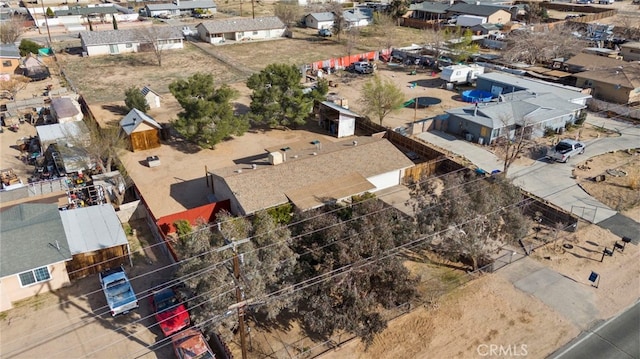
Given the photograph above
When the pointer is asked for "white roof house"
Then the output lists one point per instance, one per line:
(61, 132)
(113, 42)
(319, 20)
(241, 29)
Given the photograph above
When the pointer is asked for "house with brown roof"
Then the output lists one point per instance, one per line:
(310, 174)
(241, 29)
(617, 85)
(586, 62)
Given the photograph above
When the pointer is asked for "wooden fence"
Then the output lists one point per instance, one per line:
(85, 264)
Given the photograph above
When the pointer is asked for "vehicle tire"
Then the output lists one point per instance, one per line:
(582, 152)
(567, 160)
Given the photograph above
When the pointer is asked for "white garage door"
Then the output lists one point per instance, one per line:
(385, 180)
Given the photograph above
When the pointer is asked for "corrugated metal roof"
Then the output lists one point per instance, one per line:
(30, 235)
(340, 108)
(473, 9)
(92, 228)
(93, 38)
(57, 131)
(242, 24)
(84, 10)
(134, 118)
(431, 7)
(267, 185)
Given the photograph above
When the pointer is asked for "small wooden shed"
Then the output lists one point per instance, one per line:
(142, 130)
(152, 97)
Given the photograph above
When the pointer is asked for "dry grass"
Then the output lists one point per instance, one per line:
(104, 78)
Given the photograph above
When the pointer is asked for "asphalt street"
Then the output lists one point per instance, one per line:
(618, 338)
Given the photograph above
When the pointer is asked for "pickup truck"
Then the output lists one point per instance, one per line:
(118, 291)
(564, 150)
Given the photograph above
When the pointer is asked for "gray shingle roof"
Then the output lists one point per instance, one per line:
(134, 118)
(242, 24)
(9, 51)
(540, 87)
(431, 7)
(158, 7)
(84, 10)
(28, 236)
(473, 9)
(93, 38)
(322, 16)
(268, 185)
(530, 108)
(196, 4)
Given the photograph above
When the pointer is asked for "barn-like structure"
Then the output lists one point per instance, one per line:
(142, 131)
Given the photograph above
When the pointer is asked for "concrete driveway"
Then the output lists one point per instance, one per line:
(551, 181)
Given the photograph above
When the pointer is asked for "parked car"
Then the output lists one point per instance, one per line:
(362, 67)
(565, 149)
(171, 314)
(117, 289)
(191, 344)
(325, 33)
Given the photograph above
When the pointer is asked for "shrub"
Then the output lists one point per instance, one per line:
(549, 131)
(28, 47)
(183, 228)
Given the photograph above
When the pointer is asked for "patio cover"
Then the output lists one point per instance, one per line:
(320, 193)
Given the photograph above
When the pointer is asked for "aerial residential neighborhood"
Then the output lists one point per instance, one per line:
(326, 179)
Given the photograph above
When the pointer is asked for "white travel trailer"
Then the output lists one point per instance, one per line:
(461, 74)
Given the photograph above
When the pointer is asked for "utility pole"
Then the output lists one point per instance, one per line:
(46, 22)
(240, 302)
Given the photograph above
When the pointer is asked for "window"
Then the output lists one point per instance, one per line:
(255, 33)
(129, 45)
(6, 63)
(34, 276)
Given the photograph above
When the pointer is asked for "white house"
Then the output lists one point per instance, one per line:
(113, 42)
(310, 174)
(152, 97)
(358, 17)
(241, 29)
(335, 119)
(181, 7)
(319, 20)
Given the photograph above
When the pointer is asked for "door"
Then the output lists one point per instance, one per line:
(113, 49)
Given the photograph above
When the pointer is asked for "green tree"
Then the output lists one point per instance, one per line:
(28, 47)
(114, 22)
(463, 46)
(50, 12)
(360, 238)
(208, 116)
(278, 99)
(380, 98)
(133, 98)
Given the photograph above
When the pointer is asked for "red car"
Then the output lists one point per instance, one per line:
(169, 312)
(191, 344)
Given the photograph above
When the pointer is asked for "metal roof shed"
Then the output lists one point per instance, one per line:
(96, 239)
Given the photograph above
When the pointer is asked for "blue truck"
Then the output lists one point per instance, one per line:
(118, 291)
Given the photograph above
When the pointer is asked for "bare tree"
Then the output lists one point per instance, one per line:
(385, 26)
(629, 26)
(436, 39)
(515, 138)
(289, 13)
(155, 39)
(339, 23)
(11, 30)
(14, 85)
(353, 37)
(541, 47)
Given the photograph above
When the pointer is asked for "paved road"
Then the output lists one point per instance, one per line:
(551, 181)
(618, 338)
